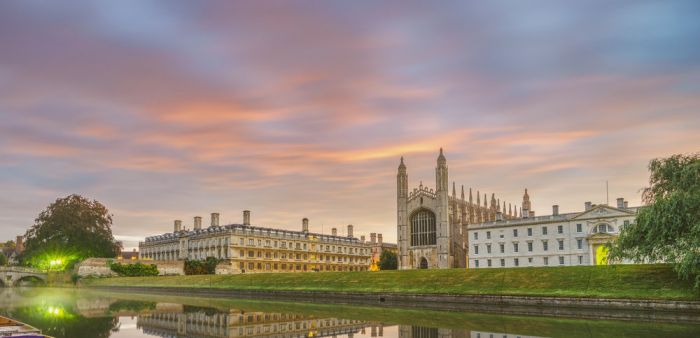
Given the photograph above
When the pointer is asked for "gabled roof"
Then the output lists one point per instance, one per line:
(602, 210)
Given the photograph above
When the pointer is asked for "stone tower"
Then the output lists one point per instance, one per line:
(402, 214)
(443, 217)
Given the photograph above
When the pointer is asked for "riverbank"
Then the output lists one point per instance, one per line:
(630, 282)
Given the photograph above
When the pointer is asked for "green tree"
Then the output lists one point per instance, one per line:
(3, 259)
(9, 245)
(387, 261)
(70, 229)
(668, 228)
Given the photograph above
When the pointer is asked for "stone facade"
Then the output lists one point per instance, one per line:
(576, 238)
(251, 249)
(432, 225)
(99, 267)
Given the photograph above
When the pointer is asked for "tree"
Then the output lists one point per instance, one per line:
(667, 228)
(3, 259)
(9, 245)
(387, 261)
(70, 229)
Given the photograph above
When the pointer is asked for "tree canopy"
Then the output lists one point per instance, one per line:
(667, 228)
(71, 228)
(3, 259)
(388, 261)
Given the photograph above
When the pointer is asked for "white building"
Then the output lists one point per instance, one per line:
(555, 240)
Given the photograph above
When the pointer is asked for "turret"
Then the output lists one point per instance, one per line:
(305, 225)
(350, 230)
(197, 222)
(215, 219)
(177, 226)
(526, 205)
(246, 217)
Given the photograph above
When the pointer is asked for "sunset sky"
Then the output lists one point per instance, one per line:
(165, 110)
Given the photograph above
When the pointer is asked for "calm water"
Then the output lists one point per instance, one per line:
(87, 313)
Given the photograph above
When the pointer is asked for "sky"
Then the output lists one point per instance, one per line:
(165, 110)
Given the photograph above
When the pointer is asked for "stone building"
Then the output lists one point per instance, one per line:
(432, 224)
(576, 238)
(250, 249)
(378, 246)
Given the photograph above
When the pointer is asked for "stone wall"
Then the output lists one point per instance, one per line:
(99, 267)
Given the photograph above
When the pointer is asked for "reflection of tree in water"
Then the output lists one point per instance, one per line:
(199, 309)
(131, 305)
(64, 322)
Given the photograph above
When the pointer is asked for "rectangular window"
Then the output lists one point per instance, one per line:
(251, 241)
(476, 236)
(516, 262)
(515, 247)
(580, 260)
(561, 244)
(545, 260)
(529, 260)
(529, 231)
(503, 262)
(545, 246)
(529, 246)
(503, 248)
(560, 229)
(476, 263)
(579, 244)
(488, 235)
(561, 260)
(515, 232)
(241, 240)
(488, 262)
(544, 230)
(579, 227)
(488, 248)
(476, 249)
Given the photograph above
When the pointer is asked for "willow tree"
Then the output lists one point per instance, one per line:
(70, 229)
(667, 228)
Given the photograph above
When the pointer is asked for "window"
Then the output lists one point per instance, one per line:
(545, 246)
(488, 262)
(251, 241)
(529, 246)
(529, 231)
(625, 223)
(241, 241)
(488, 235)
(515, 232)
(503, 262)
(560, 229)
(579, 243)
(488, 248)
(476, 263)
(516, 262)
(476, 249)
(423, 228)
(515, 247)
(579, 227)
(503, 248)
(544, 230)
(561, 260)
(580, 260)
(476, 236)
(545, 260)
(561, 244)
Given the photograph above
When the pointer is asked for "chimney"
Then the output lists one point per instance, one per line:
(499, 216)
(246, 217)
(178, 225)
(350, 230)
(379, 238)
(334, 231)
(305, 225)
(626, 205)
(372, 237)
(588, 206)
(532, 214)
(215, 219)
(620, 203)
(19, 244)
(197, 222)
(555, 210)
(362, 238)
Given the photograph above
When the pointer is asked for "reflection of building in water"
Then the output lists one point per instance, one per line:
(476, 334)
(408, 331)
(245, 324)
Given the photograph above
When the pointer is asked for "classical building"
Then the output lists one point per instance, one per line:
(432, 225)
(249, 249)
(378, 246)
(576, 238)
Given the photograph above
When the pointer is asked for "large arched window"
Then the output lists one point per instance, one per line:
(423, 228)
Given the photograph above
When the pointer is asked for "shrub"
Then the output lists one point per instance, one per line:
(134, 270)
(197, 267)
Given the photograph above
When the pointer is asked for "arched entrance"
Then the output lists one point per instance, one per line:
(423, 263)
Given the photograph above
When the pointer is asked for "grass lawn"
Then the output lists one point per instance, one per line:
(614, 281)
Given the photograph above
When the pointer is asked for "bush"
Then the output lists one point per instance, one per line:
(205, 267)
(134, 270)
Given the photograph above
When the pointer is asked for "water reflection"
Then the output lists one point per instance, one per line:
(87, 313)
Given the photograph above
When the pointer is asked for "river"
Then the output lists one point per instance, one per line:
(84, 313)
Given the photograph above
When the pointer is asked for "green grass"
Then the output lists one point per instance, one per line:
(615, 281)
